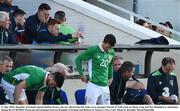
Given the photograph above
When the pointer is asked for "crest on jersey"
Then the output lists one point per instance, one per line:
(171, 82)
(110, 57)
(160, 82)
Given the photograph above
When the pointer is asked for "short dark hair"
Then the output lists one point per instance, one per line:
(168, 24)
(59, 78)
(44, 6)
(3, 58)
(127, 66)
(18, 12)
(110, 38)
(52, 22)
(141, 22)
(168, 60)
(60, 15)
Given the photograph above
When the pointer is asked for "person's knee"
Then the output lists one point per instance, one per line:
(147, 99)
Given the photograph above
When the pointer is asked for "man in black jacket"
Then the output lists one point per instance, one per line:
(36, 23)
(5, 36)
(51, 34)
(118, 85)
(17, 24)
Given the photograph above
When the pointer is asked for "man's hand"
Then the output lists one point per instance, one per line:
(18, 90)
(39, 97)
(110, 81)
(167, 99)
(77, 35)
(84, 78)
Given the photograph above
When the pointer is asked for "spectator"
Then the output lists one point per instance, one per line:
(6, 64)
(143, 23)
(117, 87)
(169, 25)
(17, 25)
(37, 23)
(29, 77)
(8, 7)
(162, 84)
(5, 37)
(162, 31)
(51, 34)
(64, 29)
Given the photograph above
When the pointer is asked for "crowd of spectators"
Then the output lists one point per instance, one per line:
(17, 28)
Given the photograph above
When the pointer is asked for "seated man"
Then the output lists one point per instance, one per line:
(29, 77)
(17, 25)
(162, 84)
(5, 36)
(136, 94)
(118, 85)
(51, 34)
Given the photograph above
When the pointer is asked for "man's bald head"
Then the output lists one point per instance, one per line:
(59, 67)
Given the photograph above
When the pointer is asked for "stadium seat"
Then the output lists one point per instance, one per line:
(64, 97)
(80, 96)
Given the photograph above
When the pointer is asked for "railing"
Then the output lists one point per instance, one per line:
(132, 15)
(59, 49)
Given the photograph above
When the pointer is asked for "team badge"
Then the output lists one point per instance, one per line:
(160, 82)
(171, 82)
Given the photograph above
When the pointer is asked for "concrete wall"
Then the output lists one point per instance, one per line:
(127, 4)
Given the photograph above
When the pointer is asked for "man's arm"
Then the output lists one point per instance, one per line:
(39, 97)
(83, 56)
(110, 73)
(151, 88)
(18, 90)
(44, 36)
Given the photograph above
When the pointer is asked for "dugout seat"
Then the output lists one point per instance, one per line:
(64, 97)
(80, 96)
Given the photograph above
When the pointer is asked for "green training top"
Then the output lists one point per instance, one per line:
(34, 76)
(101, 64)
(66, 29)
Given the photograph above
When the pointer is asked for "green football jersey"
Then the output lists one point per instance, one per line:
(65, 29)
(101, 64)
(34, 76)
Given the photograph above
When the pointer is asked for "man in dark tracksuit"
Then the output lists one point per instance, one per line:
(162, 84)
(5, 36)
(36, 23)
(118, 85)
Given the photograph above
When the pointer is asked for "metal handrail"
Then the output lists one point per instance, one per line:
(132, 15)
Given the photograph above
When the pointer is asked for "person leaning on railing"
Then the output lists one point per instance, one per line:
(51, 34)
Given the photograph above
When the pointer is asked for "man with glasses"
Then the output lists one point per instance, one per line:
(162, 84)
(6, 64)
